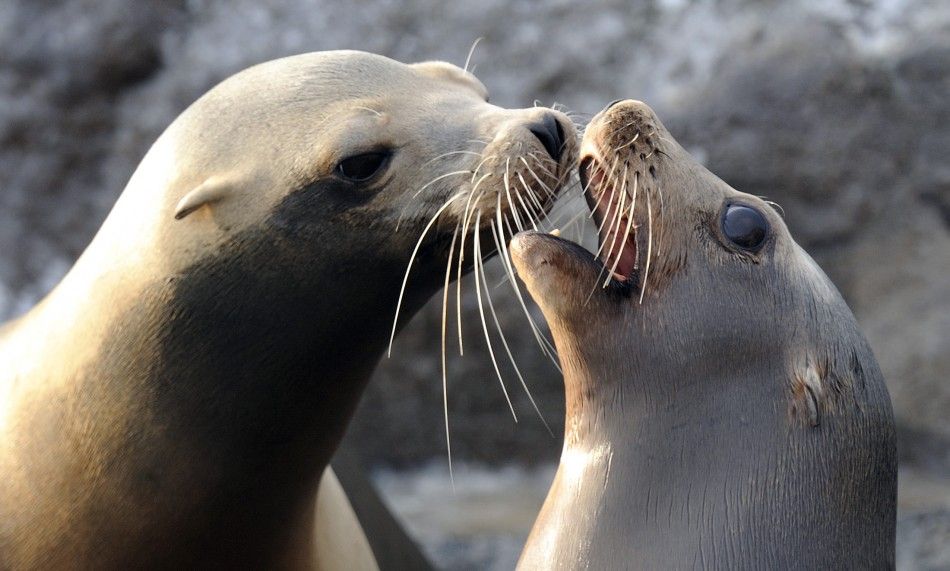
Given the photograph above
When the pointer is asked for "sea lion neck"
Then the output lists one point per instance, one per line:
(226, 386)
(265, 336)
(693, 473)
(626, 400)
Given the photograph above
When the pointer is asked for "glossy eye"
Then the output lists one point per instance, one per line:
(746, 227)
(361, 168)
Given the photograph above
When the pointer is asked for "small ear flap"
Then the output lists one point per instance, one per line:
(211, 190)
(449, 72)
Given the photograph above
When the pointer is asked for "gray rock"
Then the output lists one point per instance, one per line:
(922, 540)
(838, 111)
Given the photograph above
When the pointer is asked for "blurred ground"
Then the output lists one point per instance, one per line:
(840, 113)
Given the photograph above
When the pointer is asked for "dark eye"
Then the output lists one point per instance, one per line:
(744, 226)
(361, 168)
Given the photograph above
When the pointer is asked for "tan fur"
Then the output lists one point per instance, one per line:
(341, 545)
(200, 185)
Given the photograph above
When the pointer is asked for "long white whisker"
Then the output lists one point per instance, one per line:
(506, 262)
(511, 202)
(504, 343)
(402, 211)
(537, 208)
(626, 232)
(550, 193)
(485, 177)
(646, 271)
(412, 258)
(445, 383)
(618, 210)
(449, 154)
(610, 179)
(628, 143)
(527, 211)
(471, 52)
(481, 311)
(612, 231)
(373, 111)
(480, 165)
(466, 218)
(618, 129)
(539, 162)
(437, 179)
(604, 224)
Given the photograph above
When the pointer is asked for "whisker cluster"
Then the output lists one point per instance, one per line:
(622, 191)
(514, 194)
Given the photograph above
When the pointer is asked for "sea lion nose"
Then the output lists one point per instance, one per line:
(549, 131)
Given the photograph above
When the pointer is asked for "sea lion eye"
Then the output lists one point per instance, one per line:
(746, 227)
(362, 167)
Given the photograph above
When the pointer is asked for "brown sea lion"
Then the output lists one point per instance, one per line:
(175, 400)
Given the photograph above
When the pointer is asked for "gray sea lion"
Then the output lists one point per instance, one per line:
(175, 399)
(723, 409)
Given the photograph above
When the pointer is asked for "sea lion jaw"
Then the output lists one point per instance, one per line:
(558, 274)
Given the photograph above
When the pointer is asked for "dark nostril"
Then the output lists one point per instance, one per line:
(612, 103)
(549, 131)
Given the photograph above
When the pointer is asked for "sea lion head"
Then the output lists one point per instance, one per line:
(354, 139)
(693, 280)
(337, 161)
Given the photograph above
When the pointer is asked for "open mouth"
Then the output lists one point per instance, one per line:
(613, 207)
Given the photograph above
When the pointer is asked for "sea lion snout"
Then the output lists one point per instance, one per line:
(536, 252)
(551, 134)
(616, 121)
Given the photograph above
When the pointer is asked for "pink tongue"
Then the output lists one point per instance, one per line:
(613, 236)
(615, 241)
(624, 249)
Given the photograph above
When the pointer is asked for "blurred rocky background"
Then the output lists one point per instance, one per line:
(839, 111)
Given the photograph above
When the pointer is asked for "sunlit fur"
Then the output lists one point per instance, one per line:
(174, 400)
